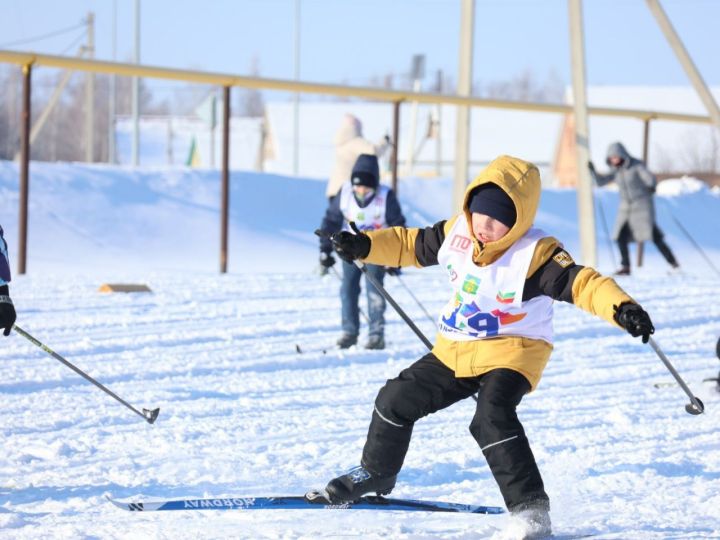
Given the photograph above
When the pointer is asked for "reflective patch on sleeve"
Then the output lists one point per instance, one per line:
(563, 259)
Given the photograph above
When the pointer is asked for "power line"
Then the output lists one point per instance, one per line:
(73, 43)
(44, 36)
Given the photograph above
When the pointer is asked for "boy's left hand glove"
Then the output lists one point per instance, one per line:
(351, 246)
(392, 271)
(635, 320)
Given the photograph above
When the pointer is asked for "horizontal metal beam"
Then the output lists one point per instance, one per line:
(377, 94)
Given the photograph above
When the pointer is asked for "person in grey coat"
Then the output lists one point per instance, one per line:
(636, 215)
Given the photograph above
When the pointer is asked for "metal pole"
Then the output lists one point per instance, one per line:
(413, 128)
(691, 239)
(695, 406)
(684, 57)
(24, 169)
(412, 295)
(136, 92)
(90, 92)
(586, 216)
(646, 139)
(438, 127)
(225, 181)
(396, 143)
(296, 99)
(394, 304)
(111, 98)
(462, 133)
(149, 415)
(43, 117)
(213, 124)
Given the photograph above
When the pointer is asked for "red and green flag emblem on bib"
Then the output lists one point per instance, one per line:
(505, 298)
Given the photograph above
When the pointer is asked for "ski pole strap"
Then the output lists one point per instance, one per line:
(4, 299)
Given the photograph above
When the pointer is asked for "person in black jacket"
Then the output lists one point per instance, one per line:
(7, 309)
(370, 205)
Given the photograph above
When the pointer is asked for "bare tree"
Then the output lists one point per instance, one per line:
(525, 87)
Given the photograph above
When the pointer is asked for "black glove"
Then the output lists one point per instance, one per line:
(326, 259)
(634, 319)
(7, 312)
(591, 166)
(351, 246)
(392, 271)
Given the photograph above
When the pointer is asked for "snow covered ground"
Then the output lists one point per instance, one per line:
(242, 413)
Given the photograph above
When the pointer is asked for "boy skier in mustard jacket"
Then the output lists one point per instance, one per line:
(495, 334)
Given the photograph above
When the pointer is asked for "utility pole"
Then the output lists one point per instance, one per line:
(296, 99)
(685, 61)
(438, 126)
(585, 203)
(90, 92)
(417, 72)
(462, 134)
(136, 92)
(111, 99)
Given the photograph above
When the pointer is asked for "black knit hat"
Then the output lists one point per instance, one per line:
(491, 200)
(366, 171)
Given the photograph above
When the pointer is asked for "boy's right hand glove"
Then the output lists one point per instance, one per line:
(591, 166)
(351, 246)
(7, 314)
(634, 319)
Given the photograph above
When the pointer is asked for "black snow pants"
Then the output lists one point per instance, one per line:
(428, 386)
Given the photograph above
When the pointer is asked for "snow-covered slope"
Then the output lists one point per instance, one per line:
(243, 413)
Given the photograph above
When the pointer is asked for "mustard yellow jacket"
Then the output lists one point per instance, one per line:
(552, 272)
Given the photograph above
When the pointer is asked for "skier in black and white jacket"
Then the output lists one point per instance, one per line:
(371, 206)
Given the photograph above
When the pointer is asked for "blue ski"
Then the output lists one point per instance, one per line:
(302, 503)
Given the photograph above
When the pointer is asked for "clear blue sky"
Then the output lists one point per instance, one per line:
(344, 41)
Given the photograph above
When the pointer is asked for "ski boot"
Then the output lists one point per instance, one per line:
(375, 342)
(358, 482)
(530, 521)
(623, 271)
(346, 341)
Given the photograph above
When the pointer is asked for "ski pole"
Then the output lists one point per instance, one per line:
(394, 304)
(382, 291)
(607, 233)
(149, 415)
(337, 274)
(695, 406)
(390, 300)
(689, 237)
(600, 210)
(432, 320)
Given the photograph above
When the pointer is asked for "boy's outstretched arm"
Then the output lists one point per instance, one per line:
(554, 273)
(399, 246)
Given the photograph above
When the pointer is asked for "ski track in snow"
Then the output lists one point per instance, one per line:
(243, 414)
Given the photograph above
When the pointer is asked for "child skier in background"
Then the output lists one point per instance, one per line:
(495, 334)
